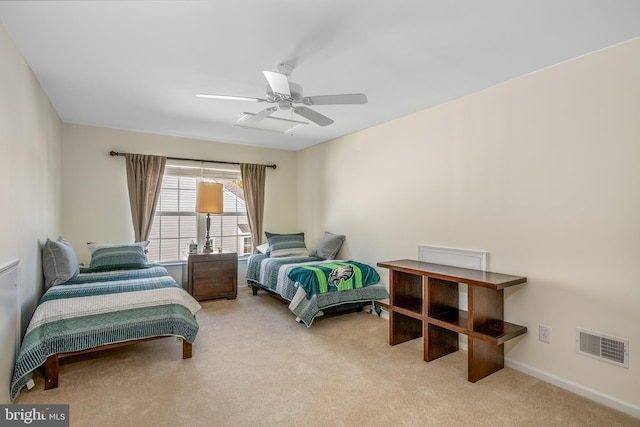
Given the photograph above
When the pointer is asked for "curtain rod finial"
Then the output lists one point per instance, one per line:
(113, 153)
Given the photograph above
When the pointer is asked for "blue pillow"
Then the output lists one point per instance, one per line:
(328, 246)
(282, 245)
(95, 246)
(59, 262)
(118, 258)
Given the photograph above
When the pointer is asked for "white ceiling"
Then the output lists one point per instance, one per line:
(138, 64)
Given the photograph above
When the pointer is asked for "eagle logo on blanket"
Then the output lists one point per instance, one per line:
(339, 274)
(332, 276)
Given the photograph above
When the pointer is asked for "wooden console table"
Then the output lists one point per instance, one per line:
(425, 296)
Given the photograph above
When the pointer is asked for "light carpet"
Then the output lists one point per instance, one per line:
(253, 365)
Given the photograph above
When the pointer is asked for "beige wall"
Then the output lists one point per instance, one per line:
(96, 201)
(542, 172)
(30, 164)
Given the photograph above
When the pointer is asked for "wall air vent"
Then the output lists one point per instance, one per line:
(603, 347)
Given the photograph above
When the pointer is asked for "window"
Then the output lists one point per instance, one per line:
(176, 223)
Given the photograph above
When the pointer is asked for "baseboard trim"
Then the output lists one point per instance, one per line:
(587, 393)
(596, 396)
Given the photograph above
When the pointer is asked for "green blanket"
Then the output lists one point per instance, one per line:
(333, 277)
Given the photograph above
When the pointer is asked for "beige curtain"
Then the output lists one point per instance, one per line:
(253, 178)
(144, 179)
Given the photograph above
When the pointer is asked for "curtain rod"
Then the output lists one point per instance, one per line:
(115, 153)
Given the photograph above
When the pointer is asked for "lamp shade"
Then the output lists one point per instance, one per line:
(209, 198)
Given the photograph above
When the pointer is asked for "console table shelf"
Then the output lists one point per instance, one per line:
(423, 300)
(456, 320)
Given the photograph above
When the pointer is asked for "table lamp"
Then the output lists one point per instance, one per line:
(209, 201)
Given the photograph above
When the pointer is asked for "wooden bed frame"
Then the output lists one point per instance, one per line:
(51, 366)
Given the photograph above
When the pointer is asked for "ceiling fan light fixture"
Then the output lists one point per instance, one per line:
(270, 124)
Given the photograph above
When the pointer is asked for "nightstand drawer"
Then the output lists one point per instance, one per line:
(209, 269)
(218, 288)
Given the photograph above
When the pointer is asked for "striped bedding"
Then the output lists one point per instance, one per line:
(95, 309)
(272, 274)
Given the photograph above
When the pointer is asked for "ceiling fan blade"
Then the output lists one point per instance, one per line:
(279, 82)
(314, 116)
(261, 115)
(230, 97)
(351, 98)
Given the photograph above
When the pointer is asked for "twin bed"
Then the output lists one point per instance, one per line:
(313, 282)
(122, 300)
(312, 285)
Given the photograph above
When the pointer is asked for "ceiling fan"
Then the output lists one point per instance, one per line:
(287, 95)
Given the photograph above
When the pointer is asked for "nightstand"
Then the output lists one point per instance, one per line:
(213, 275)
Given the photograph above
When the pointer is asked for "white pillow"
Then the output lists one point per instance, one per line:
(263, 248)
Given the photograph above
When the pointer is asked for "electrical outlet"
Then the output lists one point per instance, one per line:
(544, 334)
